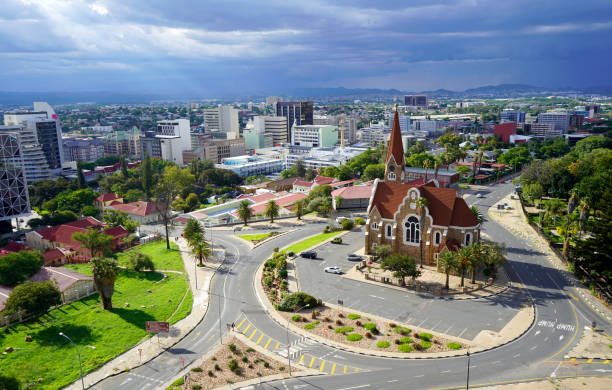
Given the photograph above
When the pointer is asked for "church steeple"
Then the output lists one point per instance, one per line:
(395, 162)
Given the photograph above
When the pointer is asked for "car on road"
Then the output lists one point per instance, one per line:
(309, 254)
(333, 270)
(502, 181)
(353, 257)
(337, 240)
(479, 195)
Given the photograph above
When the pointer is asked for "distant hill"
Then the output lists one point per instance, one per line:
(100, 97)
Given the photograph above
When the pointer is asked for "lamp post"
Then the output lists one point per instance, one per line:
(467, 383)
(288, 355)
(78, 354)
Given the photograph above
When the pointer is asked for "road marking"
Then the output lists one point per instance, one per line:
(301, 359)
(311, 362)
(393, 381)
(253, 334)
(259, 339)
(561, 337)
(241, 322)
(356, 370)
(245, 329)
(496, 362)
(322, 365)
(606, 362)
(344, 369)
(333, 369)
(276, 346)
(419, 376)
(589, 361)
(354, 387)
(268, 343)
(463, 331)
(537, 333)
(444, 372)
(374, 296)
(517, 355)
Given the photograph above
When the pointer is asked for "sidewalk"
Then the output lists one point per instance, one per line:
(151, 348)
(515, 221)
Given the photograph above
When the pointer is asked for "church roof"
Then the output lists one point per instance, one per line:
(396, 147)
(444, 206)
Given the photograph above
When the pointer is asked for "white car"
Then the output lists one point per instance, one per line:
(333, 270)
(479, 195)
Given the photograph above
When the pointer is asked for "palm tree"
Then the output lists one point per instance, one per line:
(192, 228)
(571, 206)
(105, 271)
(245, 212)
(299, 209)
(97, 242)
(421, 203)
(553, 207)
(463, 261)
(584, 215)
(477, 214)
(271, 210)
(448, 262)
(494, 255)
(476, 260)
(427, 165)
(200, 248)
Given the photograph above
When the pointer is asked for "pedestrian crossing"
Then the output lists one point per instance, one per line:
(298, 351)
(589, 361)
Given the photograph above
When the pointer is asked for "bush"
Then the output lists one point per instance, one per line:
(453, 345)
(341, 315)
(233, 366)
(296, 318)
(383, 344)
(401, 330)
(368, 335)
(270, 264)
(360, 221)
(234, 349)
(281, 262)
(282, 273)
(347, 224)
(392, 325)
(178, 382)
(210, 373)
(343, 329)
(139, 261)
(290, 254)
(309, 326)
(33, 297)
(217, 368)
(196, 369)
(358, 323)
(425, 344)
(354, 337)
(338, 322)
(406, 340)
(196, 387)
(249, 349)
(405, 348)
(354, 316)
(8, 383)
(245, 359)
(297, 300)
(17, 267)
(266, 365)
(417, 346)
(426, 336)
(268, 282)
(371, 327)
(281, 368)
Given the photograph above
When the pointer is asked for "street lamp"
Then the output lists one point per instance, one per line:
(288, 355)
(467, 383)
(78, 354)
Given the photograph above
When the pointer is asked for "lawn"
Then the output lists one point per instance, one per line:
(163, 258)
(310, 242)
(51, 357)
(255, 238)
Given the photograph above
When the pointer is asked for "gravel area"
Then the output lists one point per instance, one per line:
(216, 371)
(391, 337)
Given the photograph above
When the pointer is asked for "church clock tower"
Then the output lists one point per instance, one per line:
(395, 162)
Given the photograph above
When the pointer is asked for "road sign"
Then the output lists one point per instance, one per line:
(158, 327)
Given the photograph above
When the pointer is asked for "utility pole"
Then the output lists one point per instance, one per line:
(467, 383)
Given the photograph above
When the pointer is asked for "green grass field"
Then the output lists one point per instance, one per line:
(163, 258)
(310, 242)
(51, 357)
(255, 237)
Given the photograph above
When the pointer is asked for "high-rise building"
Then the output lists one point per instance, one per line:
(415, 100)
(215, 150)
(559, 120)
(343, 121)
(545, 130)
(174, 137)
(83, 149)
(314, 136)
(223, 119)
(34, 159)
(276, 126)
(123, 143)
(14, 199)
(299, 113)
(256, 139)
(150, 145)
(512, 116)
(272, 100)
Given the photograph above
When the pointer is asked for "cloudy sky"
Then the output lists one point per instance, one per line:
(267, 46)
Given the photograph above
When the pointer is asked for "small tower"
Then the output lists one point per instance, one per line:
(395, 162)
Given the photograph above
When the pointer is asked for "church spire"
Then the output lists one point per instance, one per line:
(395, 161)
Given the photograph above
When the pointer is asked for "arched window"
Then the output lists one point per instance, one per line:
(438, 238)
(374, 226)
(388, 230)
(468, 239)
(412, 230)
(391, 176)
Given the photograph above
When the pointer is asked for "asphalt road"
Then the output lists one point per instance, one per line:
(538, 353)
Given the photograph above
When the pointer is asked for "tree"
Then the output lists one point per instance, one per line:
(200, 248)
(147, 176)
(91, 211)
(463, 261)
(97, 242)
(533, 191)
(299, 209)
(17, 267)
(245, 212)
(81, 178)
(139, 261)
(9, 383)
(192, 228)
(427, 164)
(476, 259)
(172, 182)
(75, 200)
(124, 168)
(345, 173)
(584, 215)
(494, 256)
(271, 210)
(463, 170)
(382, 251)
(33, 297)
(192, 201)
(477, 214)
(421, 203)
(310, 174)
(338, 201)
(571, 206)
(401, 265)
(554, 208)
(105, 271)
(300, 170)
(417, 160)
(447, 262)
(374, 171)
(119, 218)
(331, 171)
(589, 144)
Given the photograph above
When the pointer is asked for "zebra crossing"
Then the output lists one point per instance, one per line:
(296, 348)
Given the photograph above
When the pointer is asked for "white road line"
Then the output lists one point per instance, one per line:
(449, 329)
(419, 376)
(436, 325)
(393, 381)
(374, 296)
(444, 372)
(419, 325)
(354, 387)
(534, 347)
(517, 355)
(462, 332)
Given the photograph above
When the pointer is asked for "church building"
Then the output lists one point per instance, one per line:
(402, 215)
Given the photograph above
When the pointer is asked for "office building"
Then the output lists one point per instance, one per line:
(300, 113)
(593, 109)
(376, 134)
(257, 139)
(276, 126)
(215, 150)
(433, 128)
(512, 116)
(83, 149)
(469, 104)
(123, 143)
(246, 166)
(97, 129)
(318, 158)
(314, 135)
(150, 145)
(545, 130)
(344, 122)
(175, 137)
(223, 119)
(34, 159)
(14, 199)
(272, 100)
(415, 100)
(559, 120)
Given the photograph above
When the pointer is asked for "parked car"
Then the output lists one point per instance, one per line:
(353, 257)
(309, 254)
(337, 240)
(479, 195)
(333, 270)
(502, 181)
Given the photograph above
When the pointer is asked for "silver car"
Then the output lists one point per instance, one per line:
(333, 270)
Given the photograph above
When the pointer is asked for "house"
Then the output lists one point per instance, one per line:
(303, 186)
(139, 211)
(105, 200)
(61, 237)
(354, 198)
(394, 212)
(282, 184)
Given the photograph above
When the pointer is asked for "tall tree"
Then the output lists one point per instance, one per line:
(200, 248)
(477, 214)
(401, 265)
(421, 203)
(382, 251)
(105, 271)
(119, 218)
(81, 178)
(476, 260)
(463, 261)
(447, 262)
(271, 210)
(299, 209)
(192, 228)
(172, 182)
(300, 169)
(124, 167)
(97, 242)
(310, 174)
(244, 212)
(584, 215)
(147, 176)
(572, 203)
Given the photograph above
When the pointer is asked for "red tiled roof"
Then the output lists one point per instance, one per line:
(117, 232)
(136, 208)
(289, 199)
(396, 147)
(324, 180)
(107, 197)
(481, 176)
(342, 183)
(416, 182)
(52, 254)
(13, 246)
(301, 183)
(261, 197)
(354, 192)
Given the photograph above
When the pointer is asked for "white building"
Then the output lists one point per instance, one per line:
(545, 130)
(246, 166)
(223, 119)
(376, 134)
(14, 199)
(469, 104)
(314, 135)
(97, 129)
(559, 120)
(174, 136)
(323, 157)
(432, 127)
(276, 126)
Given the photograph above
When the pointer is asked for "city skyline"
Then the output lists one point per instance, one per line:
(216, 47)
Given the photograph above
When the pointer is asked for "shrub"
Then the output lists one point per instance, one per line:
(196, 387)
(401, 330)
(425, 344)
(396, 341)
(368, 335)
(383, 344)
(266, 365)
(270, 263)
(249, 349)
(296, 318)
(281, 368)
(406, 340)
(268, 281)
(217, 368)
(214, 359)
(405, 348)
(354, 316)
(341, 315)
(281, 263)
(17, 267)
(234, 349)
(343, 329)
(178, 382)
(297, 300)
(360, 221)
(197, 369)
(347, 224)
(316, 313)
(453, 345)
(233, 366)
(276, 250)
(330, 327)
(417, 346)
(426, 336)
(9, 383)
(290, 254)
(282, 273)
(245, 359)
(139, 261)
(33, 297)
(371, 327)
(309, 326)
(210, 373)
(392, 325)
(358, 323)
(338, 322)
(354, 337)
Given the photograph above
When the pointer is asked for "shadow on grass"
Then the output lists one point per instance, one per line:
(49, 336)
(135, 317)
(142, 275)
